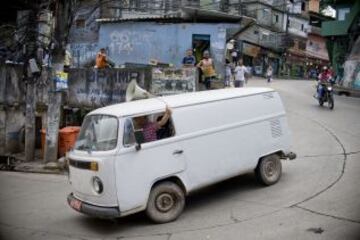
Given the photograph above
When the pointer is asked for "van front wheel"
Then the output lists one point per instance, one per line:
(268, 171)
(166, 202)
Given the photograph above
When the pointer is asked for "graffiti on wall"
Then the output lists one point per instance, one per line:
(351, 74)
(83, 53)
(356, 83)
(124, 42)
(97, 88)
(168, 81)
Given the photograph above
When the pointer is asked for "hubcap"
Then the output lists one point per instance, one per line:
(270, 169)
(164, 202)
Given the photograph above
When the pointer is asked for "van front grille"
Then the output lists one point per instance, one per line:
(276, 130)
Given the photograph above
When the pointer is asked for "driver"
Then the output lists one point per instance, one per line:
(323, 78)
(150, 128)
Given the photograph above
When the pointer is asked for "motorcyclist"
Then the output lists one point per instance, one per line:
(323, 78)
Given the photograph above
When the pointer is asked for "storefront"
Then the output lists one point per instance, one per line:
(260, 58)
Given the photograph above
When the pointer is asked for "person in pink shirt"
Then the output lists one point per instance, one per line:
(150, 128)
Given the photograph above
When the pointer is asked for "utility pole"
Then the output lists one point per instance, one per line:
(26, 19)
(240, 7)
(62, 16)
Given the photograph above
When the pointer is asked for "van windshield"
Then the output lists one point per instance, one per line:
(98, 133)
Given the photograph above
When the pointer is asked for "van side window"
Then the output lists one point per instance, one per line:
(147, 128)
(129, 137)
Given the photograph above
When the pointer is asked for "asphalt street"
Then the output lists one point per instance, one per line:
(318, 196)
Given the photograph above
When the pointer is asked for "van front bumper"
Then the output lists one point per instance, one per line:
(92, 210)
(289, 155)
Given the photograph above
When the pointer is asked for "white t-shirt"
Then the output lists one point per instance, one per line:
(240, 73)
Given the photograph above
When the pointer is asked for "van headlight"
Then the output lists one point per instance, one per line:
(97, 185)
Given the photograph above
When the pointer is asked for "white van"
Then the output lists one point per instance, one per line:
(211, 136)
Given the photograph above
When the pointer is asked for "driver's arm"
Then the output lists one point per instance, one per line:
(165, 118)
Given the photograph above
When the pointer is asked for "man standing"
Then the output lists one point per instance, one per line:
(240, 71)
(189, 60)
(208, 70)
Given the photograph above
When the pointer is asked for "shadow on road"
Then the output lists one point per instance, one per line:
(202, 198)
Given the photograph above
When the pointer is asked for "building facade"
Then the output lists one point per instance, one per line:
(342, 35)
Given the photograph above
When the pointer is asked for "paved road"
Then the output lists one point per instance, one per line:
(318, 196)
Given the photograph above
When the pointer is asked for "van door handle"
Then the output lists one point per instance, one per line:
(178, 152)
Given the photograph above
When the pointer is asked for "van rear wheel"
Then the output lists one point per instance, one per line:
(166, 202)
(268, 171)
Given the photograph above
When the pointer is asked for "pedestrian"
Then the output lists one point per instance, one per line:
(189, 60)
(234, 54)
(269, 73)
(101, 59)
(228, 73)
(208, 70)
(240, 71)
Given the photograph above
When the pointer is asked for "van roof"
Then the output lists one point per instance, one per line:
(158, 103)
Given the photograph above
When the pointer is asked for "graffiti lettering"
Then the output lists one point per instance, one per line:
(108, 89)
(126, 41)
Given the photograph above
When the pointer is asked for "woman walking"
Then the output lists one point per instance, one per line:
(269, 73)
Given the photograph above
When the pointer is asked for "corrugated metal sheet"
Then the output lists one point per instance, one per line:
(176, 15)
(185, 13)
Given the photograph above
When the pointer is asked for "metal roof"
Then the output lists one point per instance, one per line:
(185, 13)
(158, 103)
(174, 15)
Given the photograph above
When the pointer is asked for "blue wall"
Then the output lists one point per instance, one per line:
(139, 42)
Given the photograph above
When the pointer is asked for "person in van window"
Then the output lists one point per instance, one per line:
(150, 128)
(165, 131)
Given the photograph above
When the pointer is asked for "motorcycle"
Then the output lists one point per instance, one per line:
(326, 94)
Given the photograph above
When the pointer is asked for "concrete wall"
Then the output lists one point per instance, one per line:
(84, 27)
(97, 88)
(140, 42)
(88, 88)
(352, 67)
(83, 54)
(295, 26)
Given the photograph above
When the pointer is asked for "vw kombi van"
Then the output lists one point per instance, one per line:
(211, 136)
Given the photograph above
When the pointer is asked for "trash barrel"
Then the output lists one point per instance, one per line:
(67, 139)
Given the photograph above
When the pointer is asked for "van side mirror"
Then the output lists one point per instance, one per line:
(137, 146)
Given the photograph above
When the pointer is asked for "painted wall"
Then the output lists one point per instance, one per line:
(139, 42)
(87, 88)
(87, 31)
(83, 54)
(316, 46)
(95, 88)
(295, 26)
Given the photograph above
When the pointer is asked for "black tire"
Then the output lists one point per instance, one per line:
(166, 202)
(268, 170)
(331, 102)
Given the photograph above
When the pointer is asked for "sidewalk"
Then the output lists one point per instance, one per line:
(16, 162)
